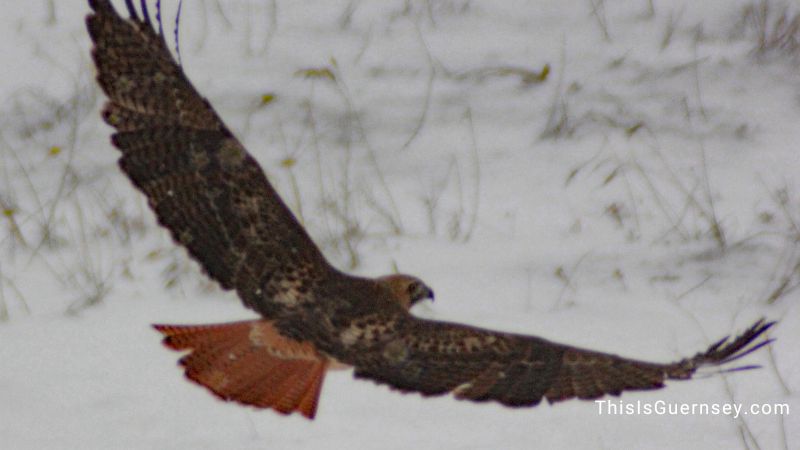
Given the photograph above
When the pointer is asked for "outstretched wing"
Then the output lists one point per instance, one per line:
(202, 184)
(435, 358)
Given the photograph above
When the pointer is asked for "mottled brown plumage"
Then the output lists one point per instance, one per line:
(250, 362)
(216, 201)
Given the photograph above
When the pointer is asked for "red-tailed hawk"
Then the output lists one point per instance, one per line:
(216, 201)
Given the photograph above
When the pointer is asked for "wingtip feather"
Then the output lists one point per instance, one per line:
(726, 350)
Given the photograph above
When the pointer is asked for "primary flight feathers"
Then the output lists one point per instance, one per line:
(215, 200)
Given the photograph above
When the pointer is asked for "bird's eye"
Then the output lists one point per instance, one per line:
(413, 287)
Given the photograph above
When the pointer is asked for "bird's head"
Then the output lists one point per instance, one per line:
(408, 290)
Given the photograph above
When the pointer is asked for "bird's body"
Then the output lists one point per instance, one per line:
(252, 363)
(216, 201)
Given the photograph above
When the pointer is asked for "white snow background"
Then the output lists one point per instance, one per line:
(641, 198)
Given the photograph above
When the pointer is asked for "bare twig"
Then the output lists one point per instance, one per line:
(476, 164)
(599, 13)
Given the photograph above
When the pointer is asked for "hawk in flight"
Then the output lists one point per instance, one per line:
(215, 200)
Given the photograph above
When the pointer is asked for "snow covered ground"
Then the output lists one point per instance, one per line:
(640, 198)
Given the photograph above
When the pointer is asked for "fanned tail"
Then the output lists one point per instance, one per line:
(250, 363)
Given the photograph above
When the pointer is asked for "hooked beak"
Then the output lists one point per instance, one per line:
(424, 293)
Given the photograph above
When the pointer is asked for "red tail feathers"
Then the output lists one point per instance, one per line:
(251, 363)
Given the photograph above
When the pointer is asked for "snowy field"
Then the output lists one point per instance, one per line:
(620, 175)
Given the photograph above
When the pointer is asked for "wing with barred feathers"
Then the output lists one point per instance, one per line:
(435, 358)
(202, 184)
